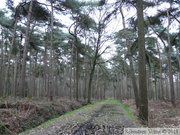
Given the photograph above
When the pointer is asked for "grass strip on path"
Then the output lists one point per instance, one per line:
(128, 112)
(107, 101)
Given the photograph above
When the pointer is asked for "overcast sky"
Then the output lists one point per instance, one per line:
(114, 26)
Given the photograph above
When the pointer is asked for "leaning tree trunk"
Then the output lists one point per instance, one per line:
(93, 66)
(143, 109)
(170, 65)
(132, 73)
(96, 56)
(169, 60)
(25, 50)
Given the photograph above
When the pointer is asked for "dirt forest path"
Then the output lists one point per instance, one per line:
(103, 118)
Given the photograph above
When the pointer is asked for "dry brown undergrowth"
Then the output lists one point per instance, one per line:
(20, 114)
(161, 114)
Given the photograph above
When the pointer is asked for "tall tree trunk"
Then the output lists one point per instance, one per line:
(177, 86)
(104, 92)
(71, 72)
(94, 63)
(35, 90)
(169, 61)
(143, 109)
(119, 86)
(92, 71)
(70, 80)
(2, 92)
(25, 50)
(51, 88)
(45, 70)
(77, 74)
(97, 85)
(85, 84)
(14, 87)
(90, 81)
(132, 73)
(161, 77)
(122, 87)
(75, 47)
(178, 76)
(86, 70)
(10, 55)
(170, 65)
(31, 79)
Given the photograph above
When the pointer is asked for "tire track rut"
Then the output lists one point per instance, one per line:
(88, 124)
(103, 118)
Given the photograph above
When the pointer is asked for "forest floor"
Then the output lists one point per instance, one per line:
(161, 114)
(20, 114)
(103, 118)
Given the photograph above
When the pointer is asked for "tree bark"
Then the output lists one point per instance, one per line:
(10, 55)
(133, 78)
(45, 70)
(90, 81)
(51, 90)
(132, 73)
(14, 87)
(143, 109)
(94, 63)
(119, 86)
(161, 77)
(71, 73)
(177, 86)
(2, 92)
(77, 74)
(171, 83)
(25, 50)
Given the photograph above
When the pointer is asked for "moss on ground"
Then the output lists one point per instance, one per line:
(128, 112)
